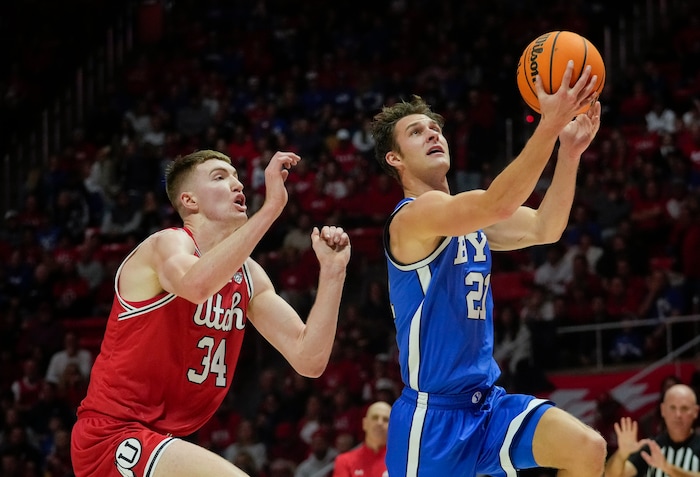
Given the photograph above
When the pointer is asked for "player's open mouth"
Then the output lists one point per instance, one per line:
(436, 149)
(240, 202)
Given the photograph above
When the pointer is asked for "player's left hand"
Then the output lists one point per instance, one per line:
(331, 245)
(575, 138)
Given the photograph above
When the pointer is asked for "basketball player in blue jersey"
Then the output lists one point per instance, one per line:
(450, 419)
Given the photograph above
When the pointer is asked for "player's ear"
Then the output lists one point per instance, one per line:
(189, 201)
(392, 158)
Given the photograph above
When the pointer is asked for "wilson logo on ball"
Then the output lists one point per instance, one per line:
(537, 48)
(547, 56)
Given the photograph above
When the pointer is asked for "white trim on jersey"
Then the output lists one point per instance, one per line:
(124, 304)
(414, 348)
(155, 456)
(424, 277)
(424, 262)
(421, 263)
(131, 312)
(415, 435)
(513, 427)
(248, 278)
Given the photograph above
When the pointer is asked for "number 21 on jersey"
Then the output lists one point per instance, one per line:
(476, 297)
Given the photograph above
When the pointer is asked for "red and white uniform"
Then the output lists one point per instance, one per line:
(164, 368)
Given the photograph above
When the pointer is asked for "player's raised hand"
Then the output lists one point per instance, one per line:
(276, 174)
(578, 134)
(331, 245)
(558, 108)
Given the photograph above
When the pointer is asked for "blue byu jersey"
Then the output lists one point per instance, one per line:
(443, 313)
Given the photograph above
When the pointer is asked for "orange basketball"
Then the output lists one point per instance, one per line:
(548, 55)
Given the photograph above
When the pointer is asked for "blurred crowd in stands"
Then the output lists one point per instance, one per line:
(251, 78)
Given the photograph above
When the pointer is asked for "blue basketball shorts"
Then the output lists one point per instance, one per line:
(487, 432)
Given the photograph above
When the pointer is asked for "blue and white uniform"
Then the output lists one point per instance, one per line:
(451, 419)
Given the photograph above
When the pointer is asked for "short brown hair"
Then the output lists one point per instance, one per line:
(177, 171)
(384, 124)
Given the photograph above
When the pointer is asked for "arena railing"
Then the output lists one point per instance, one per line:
(65, 112)
(674, 343)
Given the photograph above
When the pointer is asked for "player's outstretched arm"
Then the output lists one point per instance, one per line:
(436, 213)
(306, 345)
(529, 227)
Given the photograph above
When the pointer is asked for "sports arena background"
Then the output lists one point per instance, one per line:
(97, 97)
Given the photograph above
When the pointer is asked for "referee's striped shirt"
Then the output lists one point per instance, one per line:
(685, 455)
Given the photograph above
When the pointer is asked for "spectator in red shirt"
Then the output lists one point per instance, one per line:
(72, 385)
(287, 444)
(301, 180)
(345, 153)
(620, 302)
(579, 308)
(582, 277)
(347, 415)
(381, 197)
(296, 279)
(383, 380)
(71, 292)
(27, 387)
(242, 149)
(317, 203)
(341, 372)
(634, 107)
(334, 180)
(355, 206)
(312, 419)
(367, 459)
(649, 215)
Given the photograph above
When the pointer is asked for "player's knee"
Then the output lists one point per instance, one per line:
(592, 451)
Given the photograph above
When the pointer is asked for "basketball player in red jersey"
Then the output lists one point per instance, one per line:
(182, 300)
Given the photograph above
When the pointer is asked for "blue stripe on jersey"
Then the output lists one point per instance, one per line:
(443, 315)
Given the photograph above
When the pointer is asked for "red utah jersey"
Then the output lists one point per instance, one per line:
(166, 362)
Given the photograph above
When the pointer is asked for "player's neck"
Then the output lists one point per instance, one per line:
(208, 234)
(417, 188)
